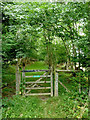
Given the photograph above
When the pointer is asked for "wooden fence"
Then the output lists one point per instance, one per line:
(57, 81)
(32, 85)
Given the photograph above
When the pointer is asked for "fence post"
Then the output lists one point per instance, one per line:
(23, 78)
(56, 84)
(17, 79)
(51, 83)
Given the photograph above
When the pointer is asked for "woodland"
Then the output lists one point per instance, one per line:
(45, 35)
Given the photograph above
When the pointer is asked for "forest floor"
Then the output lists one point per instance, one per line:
(63, 106)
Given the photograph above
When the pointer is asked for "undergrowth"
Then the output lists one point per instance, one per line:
(33, 107)
(66, 105)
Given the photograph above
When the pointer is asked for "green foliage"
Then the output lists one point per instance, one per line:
(74, 102)
(32, 107)
(26, 26)
(81, 80)
(8, 81)
(74, 107)
(20, 106)
(22, 86)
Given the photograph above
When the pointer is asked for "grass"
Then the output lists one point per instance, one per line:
(39, 106)
(37, 65)
(8, 80)
(33, 107)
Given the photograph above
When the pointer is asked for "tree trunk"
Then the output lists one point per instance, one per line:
(72, 37)
(68, 54)
(79, 57)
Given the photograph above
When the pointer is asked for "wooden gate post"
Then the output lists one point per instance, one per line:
(51, 83)
(17, 79)
(23, 78)
(56, 84)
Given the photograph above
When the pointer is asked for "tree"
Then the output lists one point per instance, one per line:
(42, 23)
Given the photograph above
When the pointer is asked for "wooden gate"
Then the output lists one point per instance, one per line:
(32, 85)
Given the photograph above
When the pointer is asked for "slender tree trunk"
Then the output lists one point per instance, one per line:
(74, 53)
(47, 47)
(79, 57)
(72, 37)
(50, 51)
(68, 54)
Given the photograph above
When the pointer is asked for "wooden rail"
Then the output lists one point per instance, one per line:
(64, 86)
(34, 88)
(67, 70)
(38, 82)
(34, 70)
(37, 76)
(37, 94)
